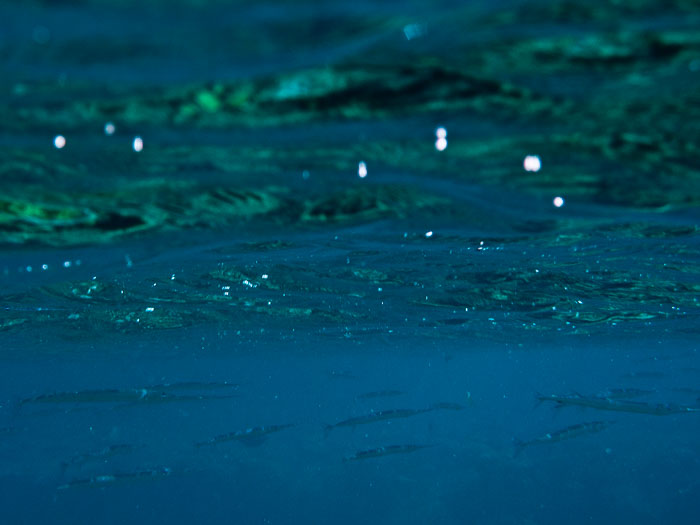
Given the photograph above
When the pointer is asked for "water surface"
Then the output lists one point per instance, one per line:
(232, 324)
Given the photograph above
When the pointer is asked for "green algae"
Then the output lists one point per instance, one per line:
(14, 215)
(618, 51)
(153, 204)
(156, 203)
(568, 11)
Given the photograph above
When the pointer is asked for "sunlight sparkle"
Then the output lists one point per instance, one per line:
(532, 163)
(362, 170)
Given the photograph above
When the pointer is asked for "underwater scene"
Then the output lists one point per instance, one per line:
(350, 262)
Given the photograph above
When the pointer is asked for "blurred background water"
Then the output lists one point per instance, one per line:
(397, 262)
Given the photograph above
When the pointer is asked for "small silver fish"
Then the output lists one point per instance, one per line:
(385, 451)
(380, 393)
(111, 479)
(250, 436)
(614, 405)
(569, 432)
(386, 415)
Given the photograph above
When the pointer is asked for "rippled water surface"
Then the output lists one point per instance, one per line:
(314, 262)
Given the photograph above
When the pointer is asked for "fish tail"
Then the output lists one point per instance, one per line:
(539, 399)
(16, 409)
(63, 468)
(327, 430)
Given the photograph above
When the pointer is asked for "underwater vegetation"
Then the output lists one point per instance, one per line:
(317, 259)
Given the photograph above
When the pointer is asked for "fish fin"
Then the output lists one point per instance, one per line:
(253, 441)
(16, 409)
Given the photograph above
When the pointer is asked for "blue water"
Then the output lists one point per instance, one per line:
(484, 300)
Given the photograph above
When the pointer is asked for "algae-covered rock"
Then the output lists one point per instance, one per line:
(367, 203)
(72, 218)
(343, 91)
